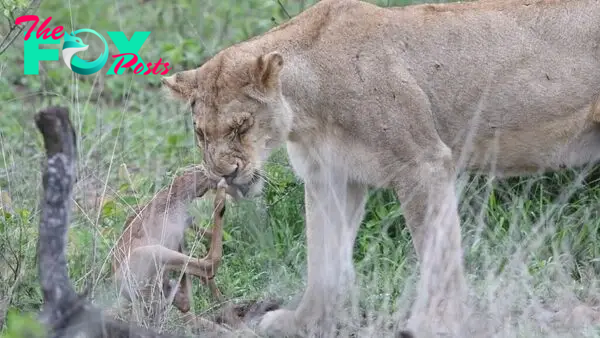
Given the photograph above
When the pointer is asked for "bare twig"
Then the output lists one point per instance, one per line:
(284, 10)
(15, 30)
(5, 303)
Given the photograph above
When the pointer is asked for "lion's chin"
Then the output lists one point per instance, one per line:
(250, 190)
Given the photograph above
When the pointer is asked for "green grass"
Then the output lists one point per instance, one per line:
(531, 244)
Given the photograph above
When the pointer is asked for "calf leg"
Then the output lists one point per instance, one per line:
(182, 299)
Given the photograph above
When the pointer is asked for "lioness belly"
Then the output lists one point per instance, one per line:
(547, 146)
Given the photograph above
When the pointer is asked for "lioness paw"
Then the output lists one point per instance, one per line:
(278, 323)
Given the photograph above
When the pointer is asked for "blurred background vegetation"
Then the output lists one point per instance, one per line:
(132, 142)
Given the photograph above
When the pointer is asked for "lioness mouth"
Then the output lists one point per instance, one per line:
(244, 188)
(255, 178)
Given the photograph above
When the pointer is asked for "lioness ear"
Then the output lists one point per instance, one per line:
(181, 84)
(267, 71)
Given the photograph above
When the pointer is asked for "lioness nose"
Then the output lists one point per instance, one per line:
(229, 177)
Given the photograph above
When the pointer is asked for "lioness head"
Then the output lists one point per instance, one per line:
(239, 113)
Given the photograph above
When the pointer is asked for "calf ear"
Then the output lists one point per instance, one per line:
(182, 84)
(267, 69)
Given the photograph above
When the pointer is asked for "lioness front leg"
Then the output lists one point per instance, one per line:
(427, 195)
(334, 210)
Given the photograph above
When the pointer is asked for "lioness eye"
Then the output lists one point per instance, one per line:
(233, 135)
(199, 133)
(245, 126)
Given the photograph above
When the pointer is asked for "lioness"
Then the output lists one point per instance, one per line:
(407, 98)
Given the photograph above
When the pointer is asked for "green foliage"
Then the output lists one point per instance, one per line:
(10, 7)
(22, 325)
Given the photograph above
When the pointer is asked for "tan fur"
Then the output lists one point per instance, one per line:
(406, 98)
(153, 241)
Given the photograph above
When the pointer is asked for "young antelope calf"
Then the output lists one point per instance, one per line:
(153, 241)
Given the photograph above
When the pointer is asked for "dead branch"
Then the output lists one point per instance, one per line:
(14, 31)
